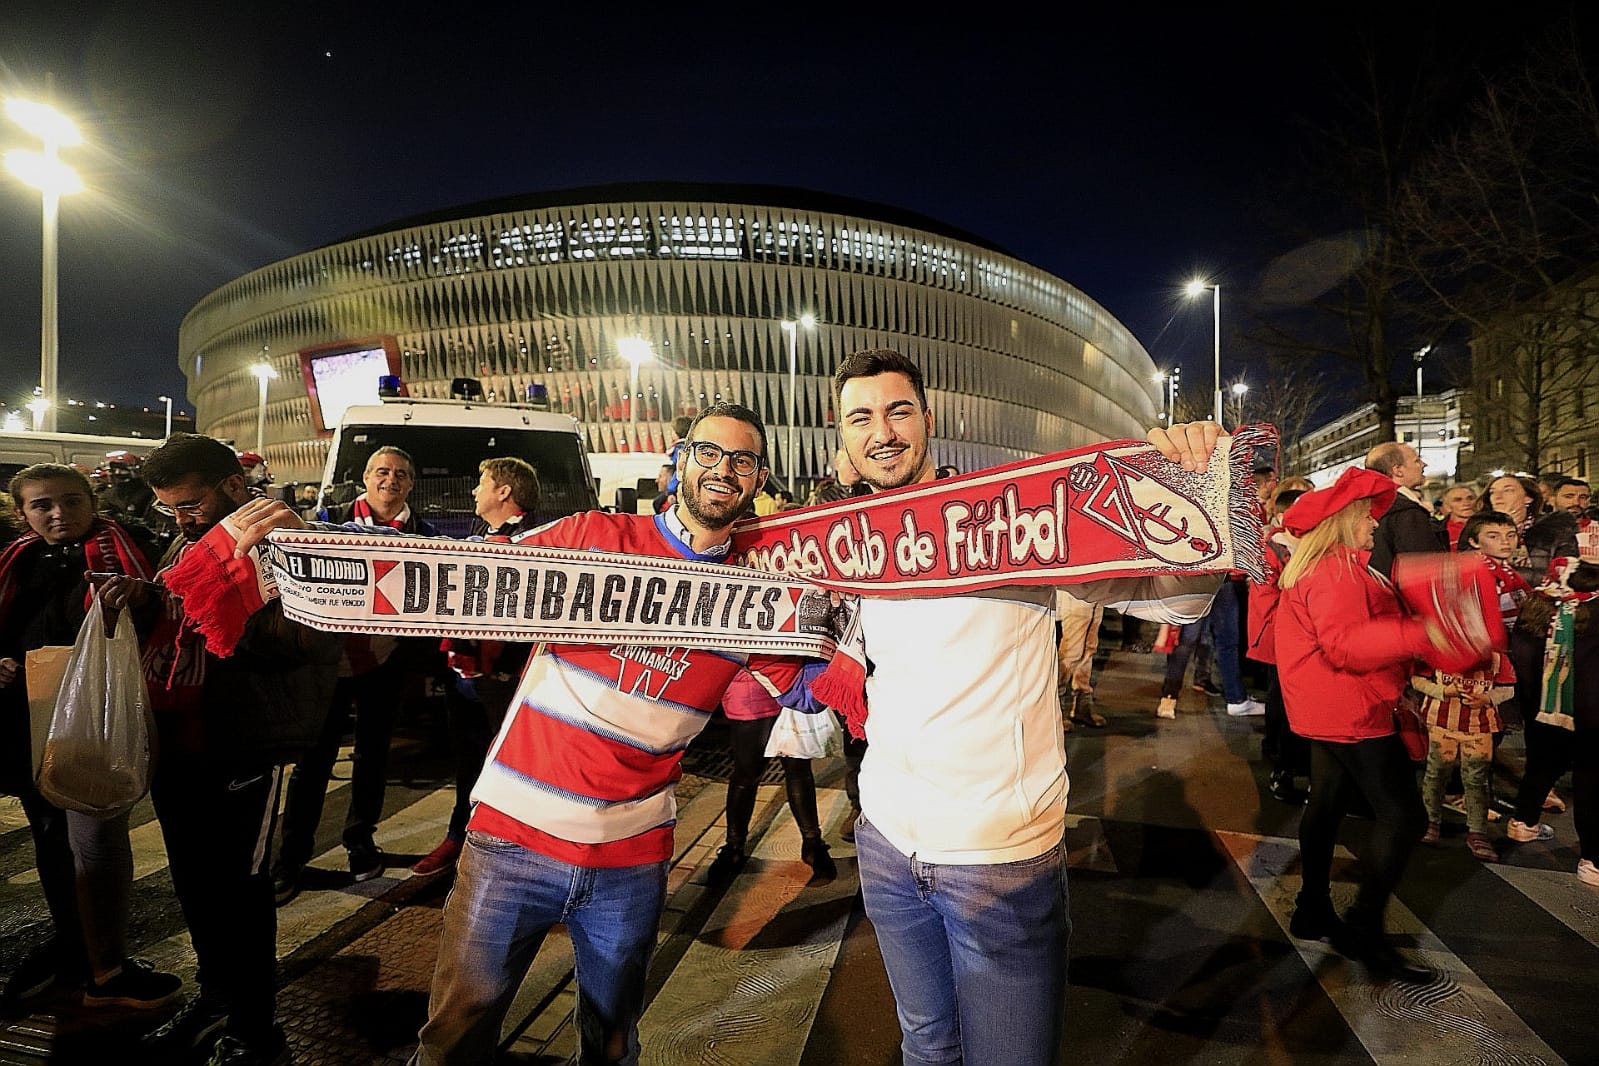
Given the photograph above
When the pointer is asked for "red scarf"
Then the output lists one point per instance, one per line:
(106, 549)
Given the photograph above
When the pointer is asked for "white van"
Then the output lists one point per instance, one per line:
(448, 439)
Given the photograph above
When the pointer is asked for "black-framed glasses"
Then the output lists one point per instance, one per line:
(191, 510)
(709, 455)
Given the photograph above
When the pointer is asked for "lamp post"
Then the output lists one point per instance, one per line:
(1239, 389)
(791, 329)
(53, 178)
(263, 373)
(1195, 287)
(1168, 382)
(168, 401)
(635, 350)
(1421, 354)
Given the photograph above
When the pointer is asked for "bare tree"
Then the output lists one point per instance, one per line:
(1290, 397)
(1502, 225)
(1352, 295)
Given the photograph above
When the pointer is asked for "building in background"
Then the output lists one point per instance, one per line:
(1437, 426)
(546, 297)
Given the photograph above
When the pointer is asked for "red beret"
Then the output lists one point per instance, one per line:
(1353, 484)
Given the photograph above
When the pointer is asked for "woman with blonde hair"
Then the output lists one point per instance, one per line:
(1344, 652)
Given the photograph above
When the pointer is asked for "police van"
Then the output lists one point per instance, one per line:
(447, 439)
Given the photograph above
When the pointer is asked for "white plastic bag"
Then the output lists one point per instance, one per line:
(797, 735)
(97, 754)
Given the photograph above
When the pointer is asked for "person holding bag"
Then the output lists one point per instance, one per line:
(85, 863)
(228, 719)
(751, 713)
(1345, 648)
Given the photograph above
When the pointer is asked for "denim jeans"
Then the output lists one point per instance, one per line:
(976, 955)
(1224, 631)
(505, 900)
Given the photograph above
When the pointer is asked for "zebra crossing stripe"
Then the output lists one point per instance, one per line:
(1457, 1018)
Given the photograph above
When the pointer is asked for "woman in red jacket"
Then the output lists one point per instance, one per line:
(1344, 653)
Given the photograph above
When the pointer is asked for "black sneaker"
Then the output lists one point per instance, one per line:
(138, 985)
(39, 969)
(269, 1049)
(286, 881)
(186, 1035)
(366, 861)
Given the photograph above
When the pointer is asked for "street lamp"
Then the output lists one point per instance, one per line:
(635, 350)
(791, 329)
(1169, 392)
(1239, 389)
(39, 406)
(263, 373)
(168, 401)
(1195, 288)
(1421, 354)
(54, 179)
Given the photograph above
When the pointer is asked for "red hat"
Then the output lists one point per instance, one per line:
(1353, 484)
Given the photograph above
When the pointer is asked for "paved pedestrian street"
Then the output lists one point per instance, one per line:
(1184, 871)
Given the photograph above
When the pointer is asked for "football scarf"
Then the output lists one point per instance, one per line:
(1112, 510)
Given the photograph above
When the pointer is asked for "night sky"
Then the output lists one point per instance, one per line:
(1120, 151)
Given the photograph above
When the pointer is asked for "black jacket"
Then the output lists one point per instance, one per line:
(1407, 527)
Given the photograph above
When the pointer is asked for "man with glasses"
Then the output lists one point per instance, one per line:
(225, 726)
(370, 680)
(574, 812)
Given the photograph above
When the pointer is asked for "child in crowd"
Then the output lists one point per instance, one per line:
(1462, 713)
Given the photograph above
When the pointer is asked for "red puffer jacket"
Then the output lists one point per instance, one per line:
(1344, 650)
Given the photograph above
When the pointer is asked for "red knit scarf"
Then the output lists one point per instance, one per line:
(107, 549)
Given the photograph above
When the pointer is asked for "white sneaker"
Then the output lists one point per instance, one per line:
(1523, 833)
(1167, 708)
(1247, 709)
(1587, 872)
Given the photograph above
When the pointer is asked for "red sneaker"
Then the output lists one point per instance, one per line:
(440, 858)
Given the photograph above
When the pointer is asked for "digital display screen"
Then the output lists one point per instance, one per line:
(338, 378)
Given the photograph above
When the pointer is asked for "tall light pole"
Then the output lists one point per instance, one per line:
(168, 401)
(1195, 288)
(54, 179)
(1421, 354)
(1239, 389)
(263, 373)
(635, 350)
(791, 329)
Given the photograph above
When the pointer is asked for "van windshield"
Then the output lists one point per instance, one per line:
(447, 460)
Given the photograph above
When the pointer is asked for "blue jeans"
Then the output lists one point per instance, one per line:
(1224, 631)
(976, 955)
(505, 900)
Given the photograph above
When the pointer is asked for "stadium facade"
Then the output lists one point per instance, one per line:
(538, 291)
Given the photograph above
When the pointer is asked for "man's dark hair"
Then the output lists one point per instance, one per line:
(1281, 501)
(682, 424)
(519, 475)
(727, 409)
(186, 455)
(1467, 541)
(875, 361)
(1564, 481)
(48, 472)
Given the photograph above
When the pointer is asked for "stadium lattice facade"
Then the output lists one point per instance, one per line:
(538, 291)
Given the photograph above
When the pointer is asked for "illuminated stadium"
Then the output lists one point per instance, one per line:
(549, 295)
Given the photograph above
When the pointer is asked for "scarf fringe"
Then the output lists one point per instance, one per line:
(1244, 513)
(209, 574)
(842, 686)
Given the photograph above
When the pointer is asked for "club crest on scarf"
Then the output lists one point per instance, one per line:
(1141, 508)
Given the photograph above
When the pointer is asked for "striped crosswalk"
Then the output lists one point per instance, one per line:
(1173, 922)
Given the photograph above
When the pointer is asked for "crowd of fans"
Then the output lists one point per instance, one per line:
(1324, 640)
